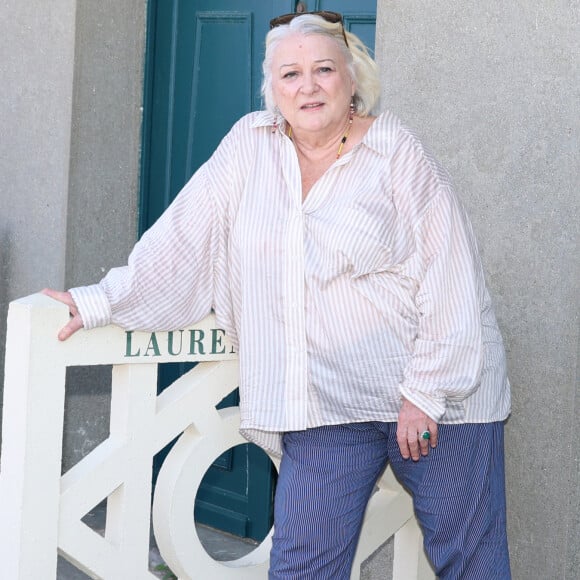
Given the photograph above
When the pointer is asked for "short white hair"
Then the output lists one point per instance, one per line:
(361, 66)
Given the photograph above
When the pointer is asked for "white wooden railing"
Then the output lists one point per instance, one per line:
(41, 510)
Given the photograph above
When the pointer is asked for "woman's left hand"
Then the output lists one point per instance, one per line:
(411, 425)
(76, 322)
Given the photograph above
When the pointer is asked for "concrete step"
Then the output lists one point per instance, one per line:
(219, 545)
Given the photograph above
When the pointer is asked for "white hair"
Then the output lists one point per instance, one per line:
(361, 66)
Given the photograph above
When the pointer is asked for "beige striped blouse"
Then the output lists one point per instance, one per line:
(369, 290)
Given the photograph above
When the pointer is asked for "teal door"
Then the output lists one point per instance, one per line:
(203, 73)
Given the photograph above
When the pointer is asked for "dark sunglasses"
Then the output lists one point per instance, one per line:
(332, 17)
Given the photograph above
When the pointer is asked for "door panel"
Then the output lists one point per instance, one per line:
(204, 73)
(204, 61)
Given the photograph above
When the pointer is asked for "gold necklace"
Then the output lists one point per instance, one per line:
(344, 137)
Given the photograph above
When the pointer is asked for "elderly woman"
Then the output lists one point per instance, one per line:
(336, 256)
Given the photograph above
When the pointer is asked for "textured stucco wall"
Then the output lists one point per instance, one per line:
(72, 85)
(106, 137)
(36, 79)
(494, 89)
(104, 181)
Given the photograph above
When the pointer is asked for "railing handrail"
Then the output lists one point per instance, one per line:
(42, 508)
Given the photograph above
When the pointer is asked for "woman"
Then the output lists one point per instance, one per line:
(336, 256)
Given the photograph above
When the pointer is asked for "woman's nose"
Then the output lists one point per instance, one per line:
(309, 84)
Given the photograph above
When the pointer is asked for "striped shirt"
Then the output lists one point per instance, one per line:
(368, 290)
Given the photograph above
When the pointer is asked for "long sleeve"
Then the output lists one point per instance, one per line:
(448, 349)
(168, 282)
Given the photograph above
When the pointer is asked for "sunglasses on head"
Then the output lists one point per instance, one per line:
(332, 17)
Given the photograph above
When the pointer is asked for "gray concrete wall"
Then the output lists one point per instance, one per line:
(104, 182)
(36, 78)
(494, 89)
(106, 137)
(71, 96)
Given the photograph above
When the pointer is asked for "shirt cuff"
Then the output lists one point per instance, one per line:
(435, 407)
(93, 305)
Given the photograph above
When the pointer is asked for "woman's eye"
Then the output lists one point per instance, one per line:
(290, 75)
(325, 69)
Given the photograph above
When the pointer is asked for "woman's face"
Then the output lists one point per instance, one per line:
(311, 83)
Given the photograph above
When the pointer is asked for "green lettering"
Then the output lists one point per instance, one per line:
(170, 343)
(216, 341)
(195, 341)
(128, 339)
(153, 346)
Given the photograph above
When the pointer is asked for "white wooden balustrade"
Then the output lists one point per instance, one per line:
(42, 509)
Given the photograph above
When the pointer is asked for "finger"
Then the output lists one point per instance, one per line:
(403, 444)
(76, 322)
(430, 441)
(424, 443)
(64, 297)
(413, 443)
(67, 331)
(434, 435)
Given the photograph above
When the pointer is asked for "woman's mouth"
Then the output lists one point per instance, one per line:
(310, 106)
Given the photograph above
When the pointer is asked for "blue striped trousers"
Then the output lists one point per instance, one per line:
(328, 474)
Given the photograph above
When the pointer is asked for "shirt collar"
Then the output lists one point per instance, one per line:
(380, 137)
(263, 119)
(382, 134)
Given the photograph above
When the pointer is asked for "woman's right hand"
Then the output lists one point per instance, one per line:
(76, 322)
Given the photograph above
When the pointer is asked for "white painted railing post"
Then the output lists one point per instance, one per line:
(410, 562)
(41, 510)
(31, 439)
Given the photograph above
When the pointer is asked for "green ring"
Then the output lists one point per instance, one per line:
(425, 435)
